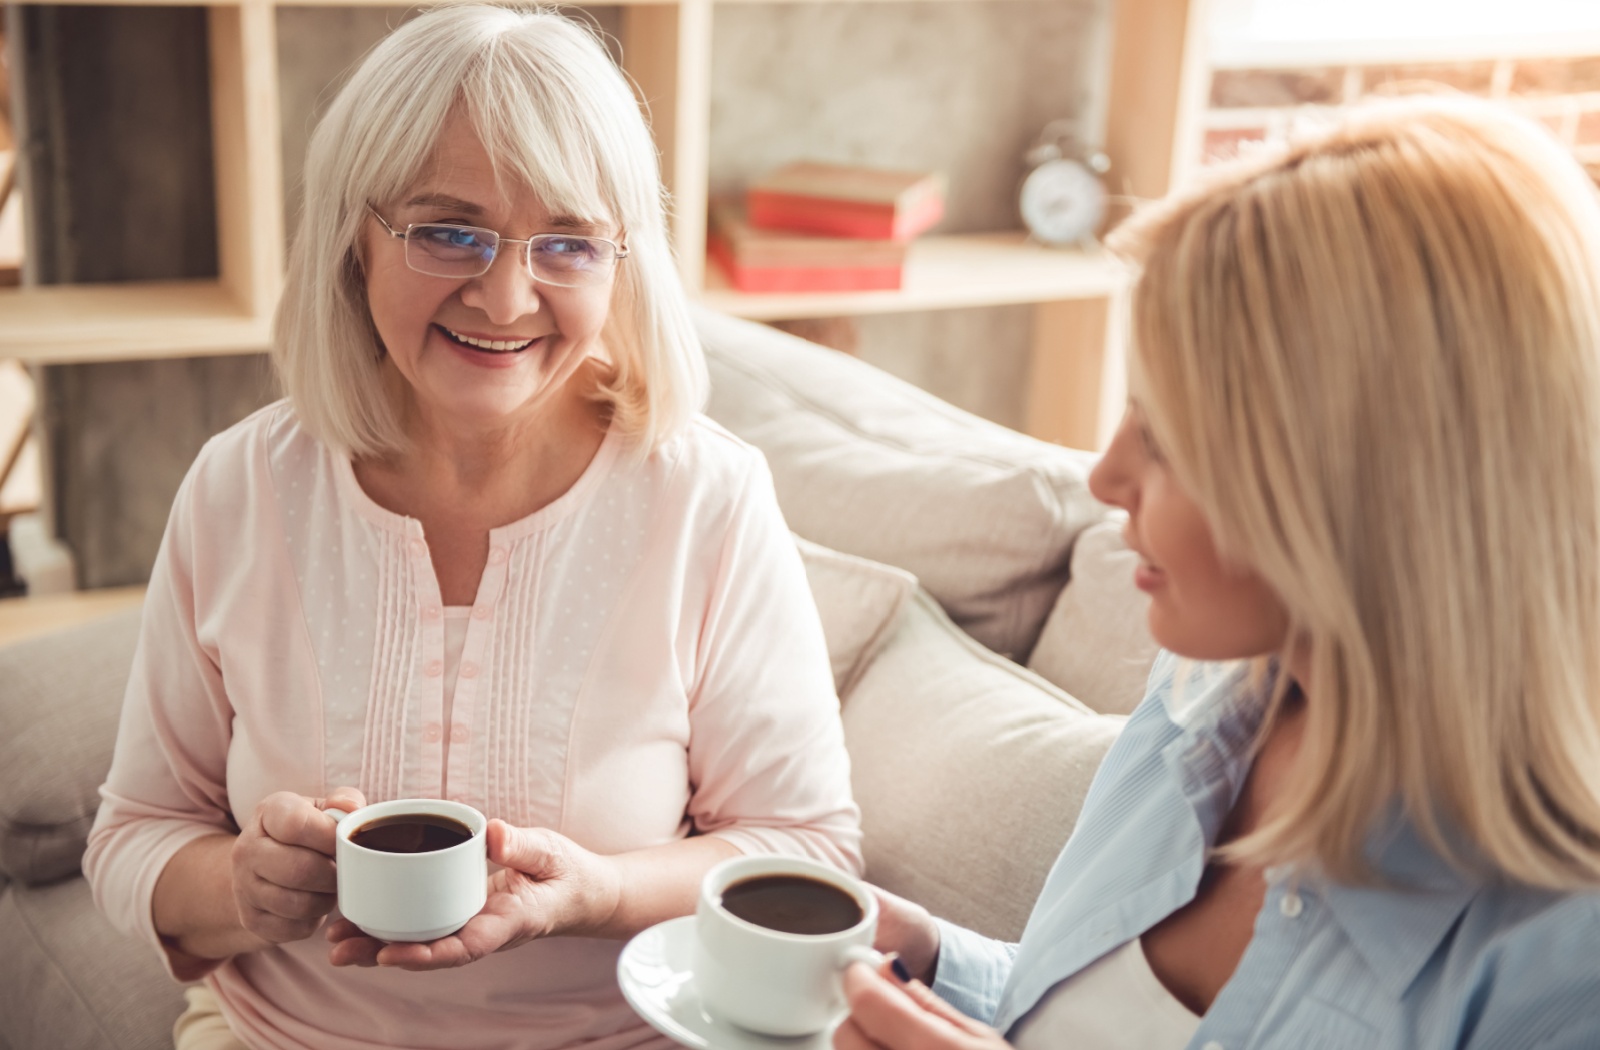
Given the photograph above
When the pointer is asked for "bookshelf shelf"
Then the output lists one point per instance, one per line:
(109, 322)
(942, 272)
(1155, 88)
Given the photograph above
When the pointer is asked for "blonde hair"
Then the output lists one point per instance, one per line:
(556, 115)
(1373, 358)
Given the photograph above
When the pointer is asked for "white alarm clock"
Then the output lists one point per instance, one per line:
(1062, 199)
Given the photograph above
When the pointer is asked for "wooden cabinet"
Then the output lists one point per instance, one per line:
(1155, 83)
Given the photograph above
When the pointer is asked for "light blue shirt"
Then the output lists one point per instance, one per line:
(1436, 960)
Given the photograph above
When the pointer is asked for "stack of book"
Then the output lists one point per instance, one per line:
(814, 227)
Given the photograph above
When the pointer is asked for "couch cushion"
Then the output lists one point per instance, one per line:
(864, 463)
(969, 771)
(69, 979)
(60, 702)
(1096, 644)
(859, 602)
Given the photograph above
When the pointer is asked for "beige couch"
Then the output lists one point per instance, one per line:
(965, 541)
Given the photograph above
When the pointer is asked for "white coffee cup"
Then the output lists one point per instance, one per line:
(766, 980)
(411, 896)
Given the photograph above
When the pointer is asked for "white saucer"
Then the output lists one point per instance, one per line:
(655, 971)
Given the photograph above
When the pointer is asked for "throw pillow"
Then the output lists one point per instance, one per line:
(969, 771)
(859, 602)
(984, 517)
(1096, 644)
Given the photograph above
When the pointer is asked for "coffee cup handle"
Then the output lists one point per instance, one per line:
(336, 814)
(858, 953)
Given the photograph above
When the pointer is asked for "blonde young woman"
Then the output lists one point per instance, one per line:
(486, 549)
(1360, 806)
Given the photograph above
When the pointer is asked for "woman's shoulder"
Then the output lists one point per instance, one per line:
(246, 454)
(706, 454)
(1532, 975)
(270, 424)
(1519, 925)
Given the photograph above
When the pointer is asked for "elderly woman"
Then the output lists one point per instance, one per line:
(485, 550)
(1362, 472)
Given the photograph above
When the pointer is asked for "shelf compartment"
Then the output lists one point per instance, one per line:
(60, 324)
(943, 272)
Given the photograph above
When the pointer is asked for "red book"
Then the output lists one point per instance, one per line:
(768, 261)
(847, 201)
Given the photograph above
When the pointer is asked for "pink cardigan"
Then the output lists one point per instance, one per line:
(643, 661)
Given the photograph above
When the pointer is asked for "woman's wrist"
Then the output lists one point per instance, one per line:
(603, 894)
(659, 883)
(193, 908)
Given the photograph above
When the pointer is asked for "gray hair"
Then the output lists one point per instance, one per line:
(555, 115)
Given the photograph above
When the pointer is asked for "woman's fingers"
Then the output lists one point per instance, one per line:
(907, 930)
(897, 1016)
(268, 896)
(284, 879)
(924, 997)
(295, 820)
(849, 1036)
(531, 851)
(351, 947)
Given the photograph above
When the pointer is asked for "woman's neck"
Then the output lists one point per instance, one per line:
(493, 473)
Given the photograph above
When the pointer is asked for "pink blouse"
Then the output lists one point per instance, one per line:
(643, 661)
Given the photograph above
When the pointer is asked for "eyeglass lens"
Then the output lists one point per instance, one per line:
(467, 251)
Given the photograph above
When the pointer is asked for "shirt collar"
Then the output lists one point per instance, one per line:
(1395, 925)
(1398, 924)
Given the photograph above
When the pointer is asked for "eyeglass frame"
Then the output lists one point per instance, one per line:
(500, 239)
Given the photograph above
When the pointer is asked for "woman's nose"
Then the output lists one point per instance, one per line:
(506, 291)
(1111, 479)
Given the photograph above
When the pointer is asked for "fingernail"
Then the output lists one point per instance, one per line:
(899, 970)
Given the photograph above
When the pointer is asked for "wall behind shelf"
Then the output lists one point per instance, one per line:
(960, 87)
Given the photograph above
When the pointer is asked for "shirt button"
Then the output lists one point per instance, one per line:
(434, 669)
(432, 733)
(497, 555)
(1291, 905)
(458, 733)
(419, 548)
(431, 612)
(480, 612)
(1213, 1045)
(469, 670)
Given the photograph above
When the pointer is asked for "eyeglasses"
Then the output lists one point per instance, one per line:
(561, 259)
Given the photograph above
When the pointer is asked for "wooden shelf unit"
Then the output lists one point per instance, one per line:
(1156, 84)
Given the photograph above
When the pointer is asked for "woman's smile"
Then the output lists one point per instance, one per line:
(492, 353)
(508, 344)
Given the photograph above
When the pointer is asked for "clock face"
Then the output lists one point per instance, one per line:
(1062, 202)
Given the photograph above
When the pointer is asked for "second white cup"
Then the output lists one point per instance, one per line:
(411, 880)
(773, 936)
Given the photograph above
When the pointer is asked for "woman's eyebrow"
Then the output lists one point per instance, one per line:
(568, 222)
(466, 207)
(444, 200)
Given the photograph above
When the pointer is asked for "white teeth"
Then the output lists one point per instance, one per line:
(489, 344)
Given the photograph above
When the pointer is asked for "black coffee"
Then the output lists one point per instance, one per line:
(792, 904)
(411, 833)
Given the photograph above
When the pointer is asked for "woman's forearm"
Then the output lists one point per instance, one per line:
(662, 882)
(194, 908)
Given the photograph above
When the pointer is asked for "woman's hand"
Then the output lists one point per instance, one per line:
(907, 930)
(547, 885)
(884, 1013)
(283, 876)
